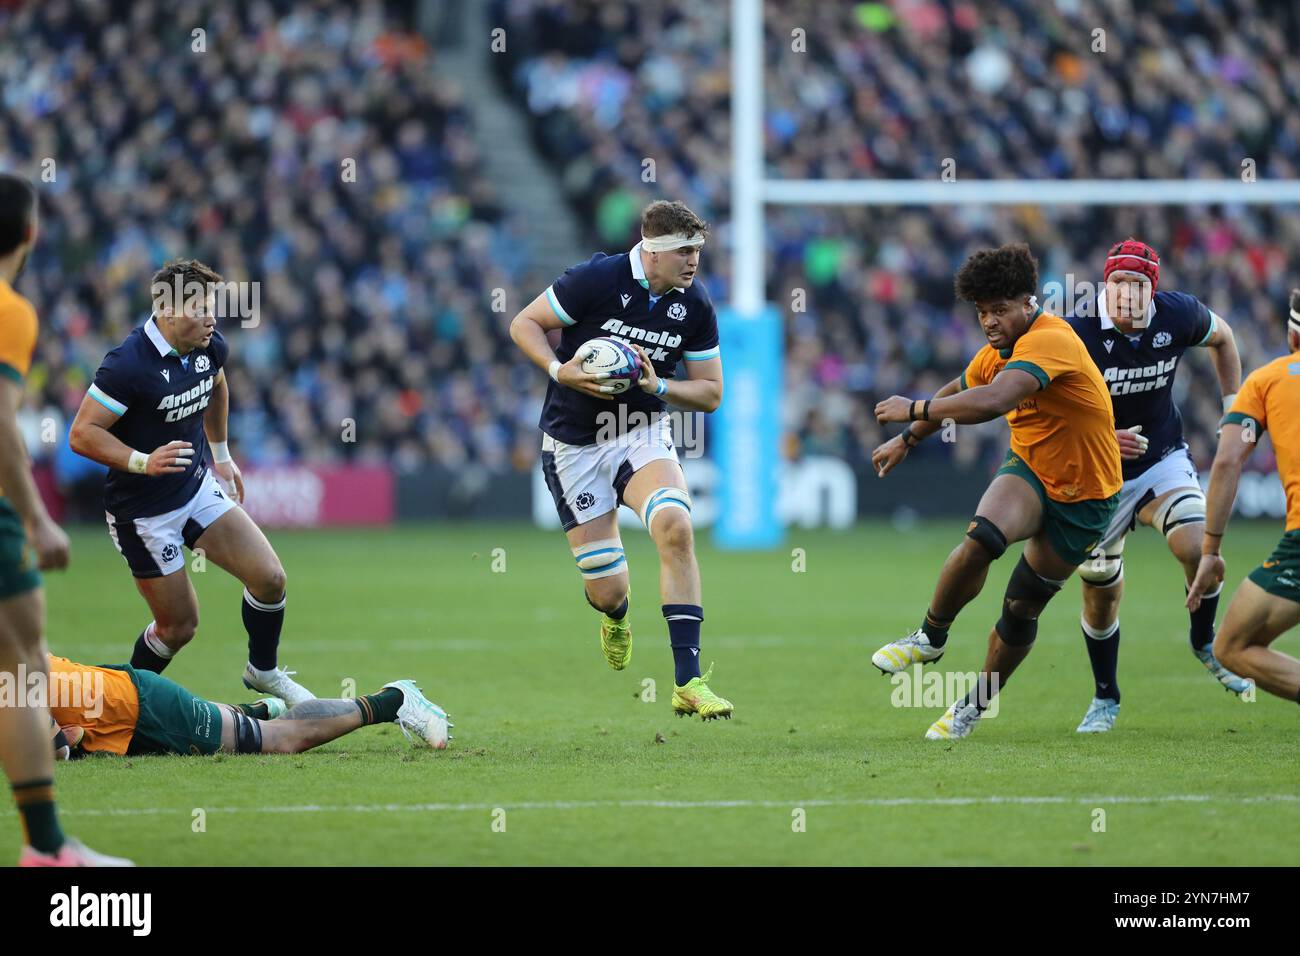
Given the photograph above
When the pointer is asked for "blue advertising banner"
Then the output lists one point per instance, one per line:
(747, 430)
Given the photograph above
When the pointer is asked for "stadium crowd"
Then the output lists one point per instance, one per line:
(377, 292)
(874, 90)
(233, 147)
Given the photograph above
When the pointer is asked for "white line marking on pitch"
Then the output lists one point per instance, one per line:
(695, 804)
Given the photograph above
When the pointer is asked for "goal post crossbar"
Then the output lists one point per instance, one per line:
(1038, 192)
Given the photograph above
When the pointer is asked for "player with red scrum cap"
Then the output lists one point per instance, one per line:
(1137, 336)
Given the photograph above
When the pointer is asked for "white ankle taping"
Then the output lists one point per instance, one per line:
(155, 644)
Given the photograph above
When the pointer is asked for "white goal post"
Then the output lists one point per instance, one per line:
(744, 435)
(750, 191)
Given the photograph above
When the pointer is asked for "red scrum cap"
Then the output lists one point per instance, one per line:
(1133, 256)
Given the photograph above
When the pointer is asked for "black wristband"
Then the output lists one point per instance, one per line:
(925, 410)
(909, 434)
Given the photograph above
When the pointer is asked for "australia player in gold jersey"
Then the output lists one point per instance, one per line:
(30, 542)
(1267, 603)
(1056, 490)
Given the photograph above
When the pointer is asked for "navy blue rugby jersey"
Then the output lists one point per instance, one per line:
(161, 397)
(1140, 370)
(610, 296)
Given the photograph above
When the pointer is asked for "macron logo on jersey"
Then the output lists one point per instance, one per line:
(186, 403)
(1125, 381)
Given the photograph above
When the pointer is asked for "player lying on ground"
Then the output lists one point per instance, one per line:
(1057, 488)
(164, 388)
(1137, 339)
(1267, 603)
(123, 710)
(649, 295)
(24, 522)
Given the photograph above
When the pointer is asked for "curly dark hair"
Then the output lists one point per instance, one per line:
(992, 275)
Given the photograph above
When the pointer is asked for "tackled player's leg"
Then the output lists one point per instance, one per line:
(250, 728)
(1009, 511)
(657, 492)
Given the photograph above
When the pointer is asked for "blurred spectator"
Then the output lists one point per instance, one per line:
(376, 294)
(375, 290)
(892, 90)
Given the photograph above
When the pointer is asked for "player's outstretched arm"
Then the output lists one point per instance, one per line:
(1235, 446)
(46, 538)
(983, 403)
(90, 438)
(216, 427)
(528, 331)
(890, 453)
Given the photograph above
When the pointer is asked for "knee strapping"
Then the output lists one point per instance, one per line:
(989, 535)
(662, 498)
(600, 559)
(1182, 507)
(1105, 567)
(248, 734)
(1025, 584)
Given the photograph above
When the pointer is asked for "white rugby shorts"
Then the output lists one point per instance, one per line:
(152, 546)
(587, 481)
(1175, 470)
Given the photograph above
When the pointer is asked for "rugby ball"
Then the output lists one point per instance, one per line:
(614, 357)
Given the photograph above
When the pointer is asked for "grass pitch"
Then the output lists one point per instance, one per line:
(559, 760)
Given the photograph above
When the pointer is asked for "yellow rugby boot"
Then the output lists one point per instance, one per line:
(697, 698)
(616, 641)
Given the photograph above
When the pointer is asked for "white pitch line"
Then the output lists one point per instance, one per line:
(695, 804)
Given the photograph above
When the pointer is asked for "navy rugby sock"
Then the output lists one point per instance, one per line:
(1202, 631)
(684, 622)
(263, 623)
(1103, 654)
(617, 614)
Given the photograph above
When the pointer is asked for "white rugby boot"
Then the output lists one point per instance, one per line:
(277, 682)
(901, 654)
(420, 716)
(957, 722)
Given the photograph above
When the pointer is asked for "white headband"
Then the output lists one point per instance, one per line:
(1295, 320)
(674, 240)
